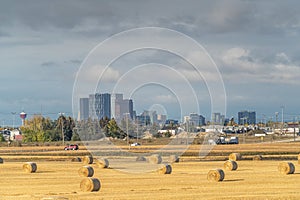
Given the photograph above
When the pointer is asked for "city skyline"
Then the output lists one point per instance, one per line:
(253, 44)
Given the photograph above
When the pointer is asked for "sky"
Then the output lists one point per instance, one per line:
(52, 52)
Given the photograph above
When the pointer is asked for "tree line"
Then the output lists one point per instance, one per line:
(41, 129)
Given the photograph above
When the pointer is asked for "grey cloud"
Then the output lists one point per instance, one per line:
(63, 14)
(189, 16)
(4, 34)
(48, 64)
(73, 61)
(60, 33)
(249, 68)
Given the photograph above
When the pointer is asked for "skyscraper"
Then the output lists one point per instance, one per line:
(217, 119)
(247, 117)
(84, 108)
(99, 106)
(197, 120)
(115, 108)
(121, 107)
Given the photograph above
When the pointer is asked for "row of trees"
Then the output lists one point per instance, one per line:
(41, 129)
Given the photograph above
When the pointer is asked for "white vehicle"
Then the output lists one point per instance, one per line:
(135, 144)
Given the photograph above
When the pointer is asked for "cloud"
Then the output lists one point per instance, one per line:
(97, 73)
(165, 99)
(48, 64)
(282, 58)
(73, 61)
(239, 65)
(264, 35)
(219, 17)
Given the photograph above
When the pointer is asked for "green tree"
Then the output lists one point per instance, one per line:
(2, 139)
(113, 130)
(33, 131)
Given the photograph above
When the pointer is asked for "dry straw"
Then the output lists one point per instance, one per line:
(141, 158)
(286, 168)
(173, 158)
(30, 167)
(86, 171)
(155, 159)
(230, 165)
(90, 185)
(1, 161)
(298, 158)
(76, 159)
(235, 156)
(87, 160)
(165, 169)
(257, 157)
(55, 198)
(102, 163)
(216, 175)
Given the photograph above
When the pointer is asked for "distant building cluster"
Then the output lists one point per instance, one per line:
(98, 106)
(195, 119)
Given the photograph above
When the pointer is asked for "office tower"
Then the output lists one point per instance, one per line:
(246, 117)
(84, 108)
(99, 106)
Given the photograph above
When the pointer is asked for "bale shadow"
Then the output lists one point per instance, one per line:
(241, 170)
(233, 180)
(41, 172)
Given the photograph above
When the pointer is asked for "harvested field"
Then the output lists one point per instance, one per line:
(59, 178)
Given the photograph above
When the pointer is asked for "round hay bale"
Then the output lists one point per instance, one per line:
(86, 171)
(141, 158)
(87, 160)
(102, 163)
(235, 156)
(257, 157)
(173, 158)
(76, 159)
(1, 161)
(30, 167)
(155, 159)
(90, 185)
(298, 158)
(166, 169)
(216, 175)
(286, 168)
(230, 165)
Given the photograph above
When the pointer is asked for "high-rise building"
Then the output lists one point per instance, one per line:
(126, 107)
(84, 108)
(115, 107)
(217, 119)
(121, 107)
(153, 117)
(246, 117)
(196, 119)
(144, 118)
(99, 106)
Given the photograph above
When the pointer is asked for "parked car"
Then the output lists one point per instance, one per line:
(135, 144)
(72, 147)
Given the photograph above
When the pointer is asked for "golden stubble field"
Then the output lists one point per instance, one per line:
(60, 180)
